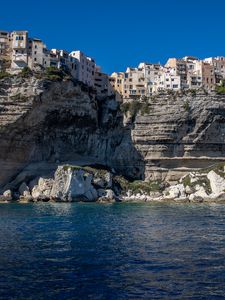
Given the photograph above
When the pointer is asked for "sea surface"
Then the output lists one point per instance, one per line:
(112, 251)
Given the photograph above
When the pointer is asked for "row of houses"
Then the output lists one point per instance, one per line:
(18, 50)
(176, 74)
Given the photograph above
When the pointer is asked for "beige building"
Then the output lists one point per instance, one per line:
(134, 83)
(20, 50)
(180, 68)
(38, 54)
(218, 64)
(103, 84)
(118, 81)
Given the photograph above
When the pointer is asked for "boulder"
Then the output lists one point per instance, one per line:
(217, 182)
(195, 198)
(189, 190)
(174, 192)
(6, 196)
(73, 185)
(24, 190)
(42, 190)
(108, 197)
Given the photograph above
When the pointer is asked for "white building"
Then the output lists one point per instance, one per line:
(151, 73)
(86, 67)
(167, 80)
(65, 61)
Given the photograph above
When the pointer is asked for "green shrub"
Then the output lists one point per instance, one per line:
(193, 92)
(4, 74)
(91, 170)
(220, 89)
(145, 109)
(134, 107)
(26, 72)
(144, 187)
(202, 181)
(54, 74)
(19, 97)
(186, 106)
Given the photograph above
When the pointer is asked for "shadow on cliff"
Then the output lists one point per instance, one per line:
(67, 124)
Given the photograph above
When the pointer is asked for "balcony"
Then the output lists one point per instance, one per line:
(20, 58)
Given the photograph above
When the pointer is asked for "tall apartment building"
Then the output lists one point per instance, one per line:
(66, 61)
(103, 83)
(218, 64)
(166, 80)
(134, 83)
(38, 53)
(151, 73)
(5, 50)
(118, 82)
(180, 67)
(208, 76)
(20, 50)
(194, 74)
(86, 69)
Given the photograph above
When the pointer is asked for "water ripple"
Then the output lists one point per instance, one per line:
(121, 251)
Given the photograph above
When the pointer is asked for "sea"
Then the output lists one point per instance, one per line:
(112, 251)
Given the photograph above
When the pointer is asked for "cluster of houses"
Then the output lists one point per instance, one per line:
(18, 50)
(177, 74)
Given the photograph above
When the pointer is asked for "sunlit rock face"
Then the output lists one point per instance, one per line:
(181, 133)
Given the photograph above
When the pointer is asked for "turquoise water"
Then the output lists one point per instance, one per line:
(119, 251)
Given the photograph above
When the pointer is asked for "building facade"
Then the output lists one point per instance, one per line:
(5, 50)
(20, 50)
(86, 68)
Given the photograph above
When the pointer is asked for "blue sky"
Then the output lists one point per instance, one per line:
(122, 33)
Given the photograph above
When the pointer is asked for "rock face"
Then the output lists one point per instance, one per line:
(181, 133)
(44, 123)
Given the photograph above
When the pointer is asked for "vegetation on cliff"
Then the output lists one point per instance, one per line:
(220, 89)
